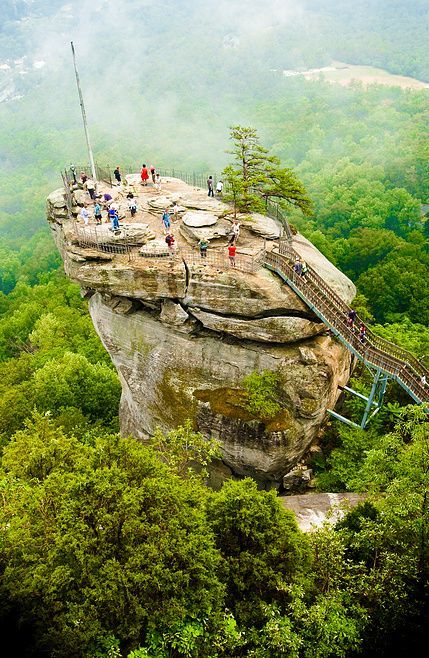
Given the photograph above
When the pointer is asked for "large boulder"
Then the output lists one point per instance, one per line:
(202, 202)
(263, 226)
(169, 375)
(56, 200)
(183, 331)
(197, 219)
(137, 233)
(331, 275)
(218, 231)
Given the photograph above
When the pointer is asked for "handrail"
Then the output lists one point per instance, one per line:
(375, 351)
(380, 342)
(314, 291)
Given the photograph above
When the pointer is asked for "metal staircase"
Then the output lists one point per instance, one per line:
(383, 359)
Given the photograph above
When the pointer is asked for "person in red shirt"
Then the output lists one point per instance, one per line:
(144, 175)
(231, 253)
(169, 238)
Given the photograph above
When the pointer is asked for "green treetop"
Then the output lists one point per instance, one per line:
(256, 176)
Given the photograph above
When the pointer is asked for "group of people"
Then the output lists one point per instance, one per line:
(232, 249)
(361, 329)
(105, 203)
(210, 186)
(150, 173)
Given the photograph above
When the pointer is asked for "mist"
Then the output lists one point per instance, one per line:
(164, 81)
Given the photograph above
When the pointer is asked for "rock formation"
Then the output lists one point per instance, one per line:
(183, 331)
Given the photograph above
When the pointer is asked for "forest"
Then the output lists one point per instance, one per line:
(99, 531)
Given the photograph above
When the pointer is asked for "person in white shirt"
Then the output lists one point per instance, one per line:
(219, 187)
(89, 185)
(235, 230)
(84, 214)
(175, 211)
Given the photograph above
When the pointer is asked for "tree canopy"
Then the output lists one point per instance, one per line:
(256, 176)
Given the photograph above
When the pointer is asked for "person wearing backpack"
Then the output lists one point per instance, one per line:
(203, 245)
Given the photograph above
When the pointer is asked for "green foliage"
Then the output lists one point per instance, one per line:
(186, 452)
(263, 393)
(262, 549)
(96, 538)
(257, 176)
(51, 358)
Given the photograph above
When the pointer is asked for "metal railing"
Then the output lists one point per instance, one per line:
(333, 311)
(195, 179)
(314, 291)
(89, 237)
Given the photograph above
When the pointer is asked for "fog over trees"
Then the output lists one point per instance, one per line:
(98, 531)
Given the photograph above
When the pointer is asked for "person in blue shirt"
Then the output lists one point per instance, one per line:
(113, 216)
(166, 220)
(97, 213)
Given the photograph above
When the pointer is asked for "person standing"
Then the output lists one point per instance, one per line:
(203, 245)
(176, 211)
(132, 204)
(89, 185)
(297, 268)
(144, 175)
(169, 238)
(166, 220)
(210, 186)
(84, 214)
(231, 253)
(114, 218)
(158, 183)
(152, 173)
(351, 317)
(117, 175)
(73, 172)
(97, 213)
(304, 267)
(235, 230)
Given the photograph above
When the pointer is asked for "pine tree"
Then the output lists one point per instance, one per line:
(256, 176)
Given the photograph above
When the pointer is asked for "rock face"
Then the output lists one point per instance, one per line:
(168, 376)
(184, 333)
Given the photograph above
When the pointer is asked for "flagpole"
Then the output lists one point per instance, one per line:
(85, 122)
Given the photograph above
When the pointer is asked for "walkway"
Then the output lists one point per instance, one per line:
(375, 352)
